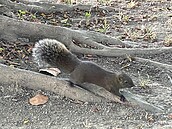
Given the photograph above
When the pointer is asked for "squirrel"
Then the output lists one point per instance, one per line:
(57, 55)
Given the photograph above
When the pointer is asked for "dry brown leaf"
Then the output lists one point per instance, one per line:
(38, 99)
(51, 71)
(132, 4)
(170, 116)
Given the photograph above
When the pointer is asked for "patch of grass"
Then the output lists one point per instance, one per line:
(144, 32)
(132, 35)
(21, 13)
(144, 82)
(87, 17)
(105, 27)
(69, 1)
(123, 18)
(24, 14)
(168, 41)
(148, 34)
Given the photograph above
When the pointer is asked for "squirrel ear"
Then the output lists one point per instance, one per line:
(120, 78)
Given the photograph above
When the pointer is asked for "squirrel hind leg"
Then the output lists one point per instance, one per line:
(76, 77)
(69, 81)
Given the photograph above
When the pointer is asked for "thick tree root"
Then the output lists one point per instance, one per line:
(42, 7)
(137, 100)
(155, 63)
(11, 29)
(35, 80)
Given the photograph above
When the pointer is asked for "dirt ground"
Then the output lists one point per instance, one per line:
(146, 22)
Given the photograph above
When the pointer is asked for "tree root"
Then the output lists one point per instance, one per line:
(137, 100)
(9, 30)
(41, 7)
(35, 80)
(155, 63)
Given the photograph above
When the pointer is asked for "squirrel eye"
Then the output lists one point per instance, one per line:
(125, 81)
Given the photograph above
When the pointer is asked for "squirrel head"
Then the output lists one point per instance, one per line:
(124, 81)
(121, 80)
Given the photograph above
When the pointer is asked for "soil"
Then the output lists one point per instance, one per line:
(147, 22)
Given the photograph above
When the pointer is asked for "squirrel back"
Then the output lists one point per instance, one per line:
(54, 53)
(57, 55)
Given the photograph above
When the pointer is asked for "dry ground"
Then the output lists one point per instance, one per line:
(147, 22)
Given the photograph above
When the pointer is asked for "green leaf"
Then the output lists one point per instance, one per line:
(87, 14)
(22, 12)
(1, 49)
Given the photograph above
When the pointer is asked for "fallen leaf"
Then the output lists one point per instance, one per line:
(132, 4)
(26, 121)
(170, 116)
(50, 71)
(38, 99)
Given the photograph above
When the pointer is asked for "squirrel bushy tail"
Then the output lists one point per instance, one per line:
(56, 54)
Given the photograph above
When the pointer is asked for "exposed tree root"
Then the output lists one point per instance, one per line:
(12, 29)
(35, 80)
(167, 69)
(155, 63)
(40, 7)
(135, 99)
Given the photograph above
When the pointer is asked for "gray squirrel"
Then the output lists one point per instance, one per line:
(57, 55)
